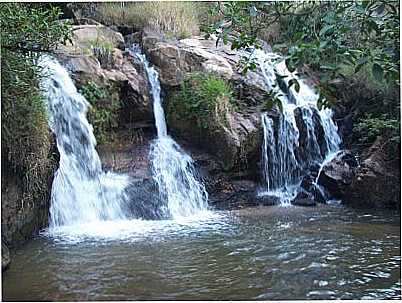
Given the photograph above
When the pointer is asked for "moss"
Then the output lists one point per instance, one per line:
(205, 99)
(103, 113)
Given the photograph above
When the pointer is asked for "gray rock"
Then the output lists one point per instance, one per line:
(5, 256)
(307, 202)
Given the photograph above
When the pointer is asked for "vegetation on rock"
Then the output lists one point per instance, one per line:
(204, 98)
(175, 19)
(103, 113)
(337, 40)
(26, 31)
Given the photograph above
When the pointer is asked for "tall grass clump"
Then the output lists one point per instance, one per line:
(26, 31)
(177, 19)
(205, 99)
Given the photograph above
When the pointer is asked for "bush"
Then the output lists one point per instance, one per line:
(176, 19)
(26, 139)
(204, 98)
(369, 128)
(103, 113)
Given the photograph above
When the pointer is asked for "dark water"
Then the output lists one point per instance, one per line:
(327, 252)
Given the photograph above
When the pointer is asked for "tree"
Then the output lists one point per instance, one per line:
(322, 34)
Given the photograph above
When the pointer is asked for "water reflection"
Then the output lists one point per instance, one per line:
(266, 253)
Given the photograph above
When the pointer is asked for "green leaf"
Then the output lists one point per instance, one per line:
(378, 72)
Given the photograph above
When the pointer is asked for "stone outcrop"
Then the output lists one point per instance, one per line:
(374, 183)
(5, 256)
(95, 55)
(173, 59)
(237, 145)
(337, 175)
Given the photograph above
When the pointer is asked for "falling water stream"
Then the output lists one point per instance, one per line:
(81, 191)
(300, 137)
(94, 251)
(173, 169)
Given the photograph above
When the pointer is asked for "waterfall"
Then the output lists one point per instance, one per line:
(173, 169)
(81, 191)
(300, 137)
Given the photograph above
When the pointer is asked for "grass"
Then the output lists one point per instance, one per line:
(26, 140)
(204, 98)
(176, 19)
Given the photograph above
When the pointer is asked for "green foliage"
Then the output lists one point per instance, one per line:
(31, 27)
(26, 139)
(103, 113)
(103, 51)
(338, 40)
(204, 98)
(370, 128)
(336, 32)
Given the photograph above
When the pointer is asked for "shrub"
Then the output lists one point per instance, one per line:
(103, 113)
(205, 98)
(27, 29)
(369, 128)
(176, 19)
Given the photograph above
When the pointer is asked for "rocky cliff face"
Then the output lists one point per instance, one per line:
(236, 144)
(372, 183)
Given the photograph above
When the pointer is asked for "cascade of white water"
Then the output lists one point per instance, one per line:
(300, 137)
(81, 192)
(173, 169)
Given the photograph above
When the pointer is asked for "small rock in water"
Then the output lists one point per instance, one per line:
(304, 202)
(267, 200)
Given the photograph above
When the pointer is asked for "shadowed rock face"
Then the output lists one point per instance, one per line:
(143, 200)
(121, 74)
(372, 183)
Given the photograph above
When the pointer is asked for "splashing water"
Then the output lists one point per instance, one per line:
(300, 137)
(173, 169)
(81, 191)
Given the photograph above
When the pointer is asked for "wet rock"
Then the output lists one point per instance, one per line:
(5, 256)
(376, 182)
(337, 175)
(121, 74)
(143, 201)
(306, 202)
(229, 194)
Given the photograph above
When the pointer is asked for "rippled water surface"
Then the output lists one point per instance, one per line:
(266, 253)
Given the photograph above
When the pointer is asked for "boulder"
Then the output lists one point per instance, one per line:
(119, 72)
(5, 256)
(337, 175)
(173, 59)
(376, 182)
(143, 200)
(237, 145)
(88, 35)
